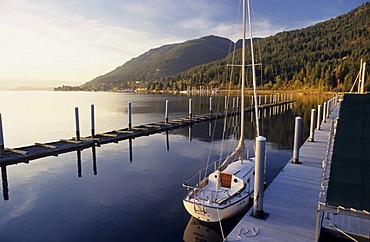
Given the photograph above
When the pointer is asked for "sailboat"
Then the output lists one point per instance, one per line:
(226, 192)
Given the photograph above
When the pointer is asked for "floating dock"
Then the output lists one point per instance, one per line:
(38, 150)
(294, 199)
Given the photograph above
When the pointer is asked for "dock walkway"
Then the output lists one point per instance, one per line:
(291, 199)
(38, 150)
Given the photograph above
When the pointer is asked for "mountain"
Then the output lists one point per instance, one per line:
(322, 57)
(164, 61)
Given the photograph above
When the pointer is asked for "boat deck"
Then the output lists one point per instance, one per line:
(291, 199)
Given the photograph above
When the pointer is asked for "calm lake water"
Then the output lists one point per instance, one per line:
(124, 194)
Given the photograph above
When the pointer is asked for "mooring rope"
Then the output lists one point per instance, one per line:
(219, 220)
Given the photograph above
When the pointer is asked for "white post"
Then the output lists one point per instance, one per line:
(92, 121)
(297, 139)
(190, 108)
(327, 108)
(319, 112)
(259, 178)
(2, 147)
(166, 112)
(312, 126)
(210, 105)
(77, 124)
(129, 115)
(226, 102)
(324, 113)
(237, 103)
(363, 78)
(234, 105)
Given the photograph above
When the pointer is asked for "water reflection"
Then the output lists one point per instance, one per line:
(95, 167)
(4, 179)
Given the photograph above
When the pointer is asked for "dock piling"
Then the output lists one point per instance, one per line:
(312, 126)
(234, 104)
(324, 110)
(92, 121)
(129, 115)
(166, 112)
(190, 108)
(226, 102)
(297, 139)
(2, 148)
(259, 178)
(77, 124)
(210, 105)
(319, 111)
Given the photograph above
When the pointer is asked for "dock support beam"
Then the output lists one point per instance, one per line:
(312, 126)
(190, 108)
(259, 178)
(319, 112)
(297, 140)
(166, 112)
(77, 124)
(2, 147)
(129, 115)
(92, 121)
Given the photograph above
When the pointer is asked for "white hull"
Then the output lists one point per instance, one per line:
(210, 214)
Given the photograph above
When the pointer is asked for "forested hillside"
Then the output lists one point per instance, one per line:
(322, 57)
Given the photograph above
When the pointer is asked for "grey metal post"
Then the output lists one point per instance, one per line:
(129, 115)
(259, 178)
(324, 110)
(319, 111)
(2, 147)
(166, 112)
(297, 139)
(252, 101)
(92, 121)
(226, 102)
(210, 105)
(190, 108)
(312, 127)
(77, 124)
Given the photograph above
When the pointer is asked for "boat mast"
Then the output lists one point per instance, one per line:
(253, 72)
(243, 76)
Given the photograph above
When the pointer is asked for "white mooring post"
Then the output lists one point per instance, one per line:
(259, 178)
(190, 108)
(297, 140)
(210, 105)
(226, 102)
(327, 108)
(324, 113)
(166, 112)
(319, 112)
(234, 105)
(92, 121)
(129, 115)
(312, 126)
(237, 103)
(77, 124)
(2, 147)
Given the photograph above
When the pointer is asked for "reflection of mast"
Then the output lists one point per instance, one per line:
(4, 178)
(95, 168)
(167, 141)
(130, 150)
(79, 169)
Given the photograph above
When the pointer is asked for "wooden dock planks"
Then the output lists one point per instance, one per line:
(39, 150)
(291, 199)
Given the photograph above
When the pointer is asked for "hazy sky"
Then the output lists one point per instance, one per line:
(45, 41)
